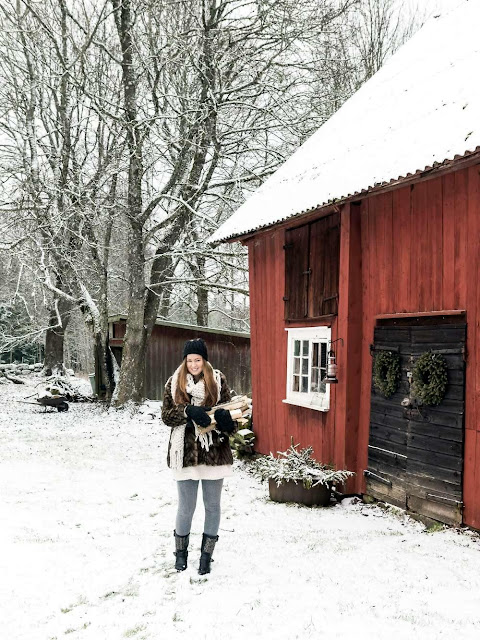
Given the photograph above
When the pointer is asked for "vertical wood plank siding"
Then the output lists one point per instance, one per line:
(420, 248)
(274, 421)
(420, 252)
(229, 353)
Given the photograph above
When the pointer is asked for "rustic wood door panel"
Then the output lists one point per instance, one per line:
(415, 454)
(325, 266)
(296, 276)
(386, 473)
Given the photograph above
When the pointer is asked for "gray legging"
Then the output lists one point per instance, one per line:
(187, 501)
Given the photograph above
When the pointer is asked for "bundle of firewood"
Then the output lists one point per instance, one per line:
(240, 408)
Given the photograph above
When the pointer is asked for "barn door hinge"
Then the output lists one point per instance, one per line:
(373, 476)
(381, 347)
(448, 351)
(393, 454)
(307, 272)
(285, 298)
(463, 351)
(329, 299)
(288, 245)
(442, 500)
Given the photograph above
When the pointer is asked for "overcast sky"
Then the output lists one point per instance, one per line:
(434, 5)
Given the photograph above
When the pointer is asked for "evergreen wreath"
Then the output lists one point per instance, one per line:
(386, 372)
(429, 378)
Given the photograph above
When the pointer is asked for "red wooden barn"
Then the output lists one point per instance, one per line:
(366, 241)
(227, 350)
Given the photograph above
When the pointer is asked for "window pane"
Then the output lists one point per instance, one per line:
(304, 384)
(305, 347)
(322, 387)
(315, 354)
(296, 383)
(304, 366)
(296, 348)
(323, 358)
(314, 385)
(296, 365)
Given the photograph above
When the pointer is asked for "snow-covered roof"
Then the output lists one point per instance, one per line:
(421, 109)
(192, 327)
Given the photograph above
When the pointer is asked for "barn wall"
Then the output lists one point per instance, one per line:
(229, 353)
(274, 421)
(420, 252)
(413, 249)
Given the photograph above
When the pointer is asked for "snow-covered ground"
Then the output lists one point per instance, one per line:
(86, 541)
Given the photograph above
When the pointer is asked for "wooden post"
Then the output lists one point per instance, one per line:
(349, 357)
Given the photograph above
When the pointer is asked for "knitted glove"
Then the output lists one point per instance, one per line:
(224, 421)
(198, 415)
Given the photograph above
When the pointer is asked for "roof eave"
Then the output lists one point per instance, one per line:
(437, 169)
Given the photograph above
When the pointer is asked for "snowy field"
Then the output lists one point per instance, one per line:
(87, 518)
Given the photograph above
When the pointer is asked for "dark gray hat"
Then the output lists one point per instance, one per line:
(196, 346)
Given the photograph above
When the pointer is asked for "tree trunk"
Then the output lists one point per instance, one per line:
(198, 268)
(55, 337)
(132, 372)
(202, 307)
(104, 359)
(131, 385)
(163, 269)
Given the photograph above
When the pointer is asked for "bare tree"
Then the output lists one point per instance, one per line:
(379, 28)
(135, 128)
(212, 99)
(65, 160)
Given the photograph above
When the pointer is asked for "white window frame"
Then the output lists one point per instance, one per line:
(319, 401)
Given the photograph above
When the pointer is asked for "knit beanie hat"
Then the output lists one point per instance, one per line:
(197, 346)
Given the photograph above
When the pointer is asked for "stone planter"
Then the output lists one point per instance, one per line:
(291, 492)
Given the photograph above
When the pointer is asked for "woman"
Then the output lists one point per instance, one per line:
(193, 389)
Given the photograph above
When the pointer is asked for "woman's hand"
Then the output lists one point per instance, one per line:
(224, 421)
(198, 414)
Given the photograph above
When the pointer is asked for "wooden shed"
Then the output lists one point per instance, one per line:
(367, 240)
(228, 351)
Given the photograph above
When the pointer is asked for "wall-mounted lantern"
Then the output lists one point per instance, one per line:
(331, 374)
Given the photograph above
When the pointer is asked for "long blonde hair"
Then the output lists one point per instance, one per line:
(211, 391)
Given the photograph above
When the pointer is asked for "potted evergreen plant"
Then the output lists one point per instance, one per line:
(294, 476)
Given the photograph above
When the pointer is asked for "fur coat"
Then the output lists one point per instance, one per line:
(219, 452)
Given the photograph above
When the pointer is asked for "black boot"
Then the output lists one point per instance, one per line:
(208, 545)
(181, 551)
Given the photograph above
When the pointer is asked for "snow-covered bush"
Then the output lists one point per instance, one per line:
(299, 466)
(242, 442)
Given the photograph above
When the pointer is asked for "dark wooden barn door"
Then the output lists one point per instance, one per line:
(415, 454)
